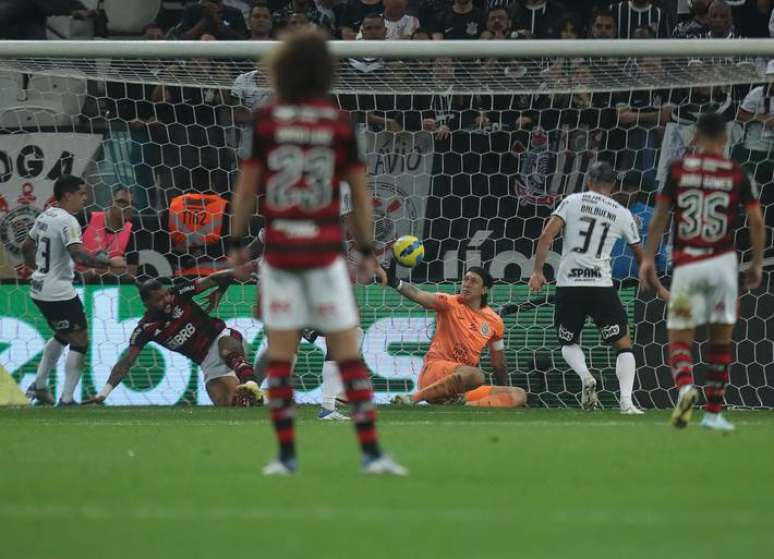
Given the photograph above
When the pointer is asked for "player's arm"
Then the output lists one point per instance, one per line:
(499, 366)
(757, 240)
(83, 256)
(550, 232)
(661, 291)
(410, 292)
(117, 373)
(28, 252)
(658, 225)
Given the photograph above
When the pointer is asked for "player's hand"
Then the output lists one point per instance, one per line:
(96, 400)
(753, 277)
(663, 294)
(381, 276)
(213, 300)
(648, 278)
(244, 271)
(117, 265)
(391, 278)
(368, 265)
(238, 257)
(536, 282)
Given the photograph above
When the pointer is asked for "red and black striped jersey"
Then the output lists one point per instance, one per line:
(303, 151)
(705, 193)
(187, 329)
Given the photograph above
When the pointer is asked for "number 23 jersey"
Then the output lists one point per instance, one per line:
(592, 224)
(304, 151)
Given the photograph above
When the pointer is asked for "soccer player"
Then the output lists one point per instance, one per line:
(465, 325)
(174, 321)
(302, 147)
(50, 249)
(592, 222)
(704, 191)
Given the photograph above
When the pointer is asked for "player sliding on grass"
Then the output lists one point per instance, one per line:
(704, 191)
(302, 147)
(592, 223)
(174, 321)
(465, 325)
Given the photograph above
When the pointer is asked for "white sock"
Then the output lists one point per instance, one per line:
(685, 388)
(625, 366)
(331, 385)
(73, 368)
(52, 351)
(573, 355)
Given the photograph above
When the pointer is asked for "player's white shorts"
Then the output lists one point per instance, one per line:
(704, 292)
(213, 365)
(320, 298)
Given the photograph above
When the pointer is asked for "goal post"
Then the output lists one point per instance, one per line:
(469, 146)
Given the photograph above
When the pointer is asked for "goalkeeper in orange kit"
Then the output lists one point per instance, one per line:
(465, 325)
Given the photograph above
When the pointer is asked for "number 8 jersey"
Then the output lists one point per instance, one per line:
(705, 192)
(593, 223)
(303, 151)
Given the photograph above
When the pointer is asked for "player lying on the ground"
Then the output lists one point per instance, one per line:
(174, 321)
(465, 325)
(704, 190)
(52, 245)
(592, 222)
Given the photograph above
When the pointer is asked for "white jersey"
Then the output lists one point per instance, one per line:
(592, 224)
(53, 231)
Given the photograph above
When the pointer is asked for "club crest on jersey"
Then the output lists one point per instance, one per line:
(485, 330)
(177, 312)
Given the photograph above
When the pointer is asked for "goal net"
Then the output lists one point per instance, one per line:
(469, 147)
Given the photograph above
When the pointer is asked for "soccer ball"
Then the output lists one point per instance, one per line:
(408, 251)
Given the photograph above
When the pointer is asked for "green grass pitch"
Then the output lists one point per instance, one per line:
(184, 482)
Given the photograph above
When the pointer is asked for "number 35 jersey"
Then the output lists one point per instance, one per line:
(705, 193)
(592, 224)
(304, 151)
(53, 231)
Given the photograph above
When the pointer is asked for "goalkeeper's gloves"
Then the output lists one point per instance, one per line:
(508, 308)
(392, 278)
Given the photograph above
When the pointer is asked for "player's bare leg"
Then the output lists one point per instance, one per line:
(283, 345)
(496, 397)
(247, 393)
(463, 378)
(681, 361)
(79, 343)
(719, 358)
(221, 390)
(625, 369)
(344, 348)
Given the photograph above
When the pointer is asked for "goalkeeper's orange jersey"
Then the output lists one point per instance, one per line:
(462, 333)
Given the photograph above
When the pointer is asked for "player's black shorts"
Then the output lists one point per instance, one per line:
(63, 316)
(575, 304)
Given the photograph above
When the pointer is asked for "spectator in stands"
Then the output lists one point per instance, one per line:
(756, 113)
(297, 21)
(261, 23)
(538, 18)
(110, 233)
(304, 9)
(399, 24)
(603, 25)
(350, 15)
(213, 18)
(631, 14)
(569, 26)
(751, 17)
(422, 34)
(498, 23)
(152, 32)
(698, 25)
(326, 18)
(721, 25)
(26, 19)
(461, 20)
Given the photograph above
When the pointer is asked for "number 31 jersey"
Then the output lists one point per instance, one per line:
(53, 231)
(303, 151)
(705, 192)
(592, 224)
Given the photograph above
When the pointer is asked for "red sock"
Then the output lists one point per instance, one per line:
(358, 388)
(236, 362)
(681, 361)
(716, 378)
(281, 406)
